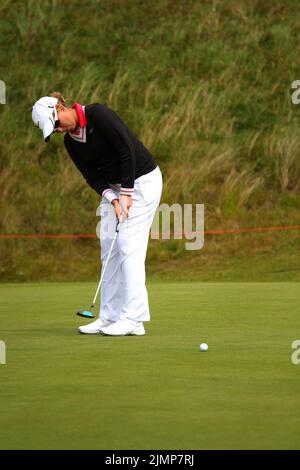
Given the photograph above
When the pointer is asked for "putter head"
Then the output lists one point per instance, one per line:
(85, 313)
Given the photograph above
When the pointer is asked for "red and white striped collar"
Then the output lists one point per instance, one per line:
(80, 113)
(80, 133)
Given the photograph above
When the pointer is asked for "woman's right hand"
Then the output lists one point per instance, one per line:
(117, 207)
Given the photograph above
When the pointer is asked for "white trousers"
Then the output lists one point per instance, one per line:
(123, 290)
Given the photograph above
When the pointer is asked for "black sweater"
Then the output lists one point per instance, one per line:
(106, 151)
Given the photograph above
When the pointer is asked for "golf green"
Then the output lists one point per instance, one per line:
(62, 390)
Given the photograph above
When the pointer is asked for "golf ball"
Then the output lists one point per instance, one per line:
(203, 347)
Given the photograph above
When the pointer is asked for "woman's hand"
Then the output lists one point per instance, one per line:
(117, 207)
(125, 203)
(122, 205)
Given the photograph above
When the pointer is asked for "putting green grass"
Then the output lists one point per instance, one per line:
(61, 390)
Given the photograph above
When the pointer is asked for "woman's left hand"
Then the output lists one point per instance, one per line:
(125, 203)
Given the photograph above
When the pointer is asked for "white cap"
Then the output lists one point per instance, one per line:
(44, 115)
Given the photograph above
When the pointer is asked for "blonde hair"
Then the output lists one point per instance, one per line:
(60, 98)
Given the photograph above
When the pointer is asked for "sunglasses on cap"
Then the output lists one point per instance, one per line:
(56, 124)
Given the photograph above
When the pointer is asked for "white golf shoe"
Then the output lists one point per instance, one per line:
(94, 327)
(124, 328)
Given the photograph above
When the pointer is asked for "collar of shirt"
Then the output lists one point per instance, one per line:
(79, 134)
(81, 115)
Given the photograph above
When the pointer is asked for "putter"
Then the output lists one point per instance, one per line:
(89, 313)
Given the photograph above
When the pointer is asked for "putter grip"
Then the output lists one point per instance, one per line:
(120, 220)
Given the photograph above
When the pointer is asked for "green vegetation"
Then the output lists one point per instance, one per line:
(63, 390)
(205, 85)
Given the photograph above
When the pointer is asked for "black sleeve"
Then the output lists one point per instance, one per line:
(92, 175)
(115, 132)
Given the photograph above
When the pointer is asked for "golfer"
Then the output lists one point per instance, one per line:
(124, 173)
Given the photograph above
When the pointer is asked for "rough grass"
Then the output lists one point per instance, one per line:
(205, 85)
